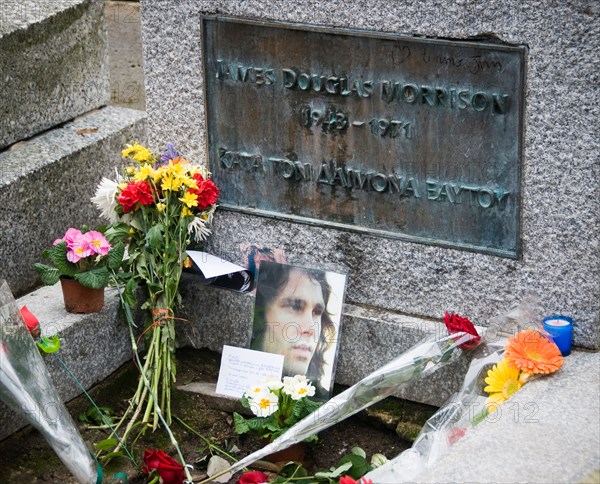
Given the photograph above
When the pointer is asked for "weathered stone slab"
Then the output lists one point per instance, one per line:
(46, 185)
(54, 64)
(92, 345)
(548, 432)
(560, 223)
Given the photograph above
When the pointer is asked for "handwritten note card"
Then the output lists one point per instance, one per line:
(242, 368)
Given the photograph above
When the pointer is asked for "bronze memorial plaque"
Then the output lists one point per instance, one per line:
(392, 136)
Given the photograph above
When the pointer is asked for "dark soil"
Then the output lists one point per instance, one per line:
(26, 457)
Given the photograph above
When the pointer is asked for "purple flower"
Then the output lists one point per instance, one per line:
(168, 155)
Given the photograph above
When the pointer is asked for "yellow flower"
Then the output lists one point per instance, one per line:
(137, 152)
(122, 185)
(145, 172)
(143, 155)
(170, 183)
(130, 170)
(176, 169)
(190, 199)
(160, 207)
(503, 381)
(189, 182)
(186, 212)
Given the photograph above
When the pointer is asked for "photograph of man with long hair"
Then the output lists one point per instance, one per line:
(297, 314)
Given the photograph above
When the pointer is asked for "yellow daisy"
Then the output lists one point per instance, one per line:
(190, 199)
(145, 172)
(503, 381)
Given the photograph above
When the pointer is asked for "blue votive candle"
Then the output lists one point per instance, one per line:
(561, 329)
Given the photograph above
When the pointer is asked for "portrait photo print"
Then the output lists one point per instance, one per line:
(297, 314)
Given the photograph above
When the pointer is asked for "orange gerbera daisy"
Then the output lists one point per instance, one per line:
(530, 352)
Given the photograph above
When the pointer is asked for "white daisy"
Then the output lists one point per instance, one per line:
(264, 404)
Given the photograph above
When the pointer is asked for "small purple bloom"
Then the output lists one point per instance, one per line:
(169, 155)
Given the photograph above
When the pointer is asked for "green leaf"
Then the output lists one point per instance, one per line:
(359, 465)
(49, 275)
(118, 232)
(115, 256)
(257, 424)
(240, 423)
(154, 237)
(97, 278)
(334, 473)
(58, 256)
(106, 444)
(129, 292)
(358, 451)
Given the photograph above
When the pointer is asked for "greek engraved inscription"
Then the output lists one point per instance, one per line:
(402, 137)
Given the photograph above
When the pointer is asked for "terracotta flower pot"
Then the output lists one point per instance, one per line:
(81, 299)
(294, 453)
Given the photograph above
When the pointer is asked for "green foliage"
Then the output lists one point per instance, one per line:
(98, 416)
(49, 275)
(95, 279)
(115, 256)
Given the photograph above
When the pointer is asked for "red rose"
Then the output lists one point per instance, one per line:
(32, 323)
(133, 193)
(207, 192)
(253, 477)
(170, 471)
(349, 480)
(457, 324)
(455, 435)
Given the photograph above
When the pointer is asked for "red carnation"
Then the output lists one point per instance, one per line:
(457, 324)
(133, 193)
(207, 192)
(253, 477)
(169, 470)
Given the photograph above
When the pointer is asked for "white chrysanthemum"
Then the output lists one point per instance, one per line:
(264, 404)
(105, 199)
(198, 228)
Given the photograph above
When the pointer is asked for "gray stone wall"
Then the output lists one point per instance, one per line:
(560, 210)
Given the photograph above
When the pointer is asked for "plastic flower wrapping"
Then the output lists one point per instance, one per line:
(501, 364)
(421, 360)
(27, 388)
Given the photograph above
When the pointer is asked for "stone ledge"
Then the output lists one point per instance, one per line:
(46, 185)
(54, 64)
(92, 345)
(549, 431)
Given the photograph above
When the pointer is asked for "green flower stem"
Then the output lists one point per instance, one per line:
(206, 441)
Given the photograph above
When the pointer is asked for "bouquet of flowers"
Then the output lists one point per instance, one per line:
(278, 405)
(84, 255)
(157, 207)
(499, 368)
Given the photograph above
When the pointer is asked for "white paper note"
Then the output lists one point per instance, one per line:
(211, 265)
(242, 368)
